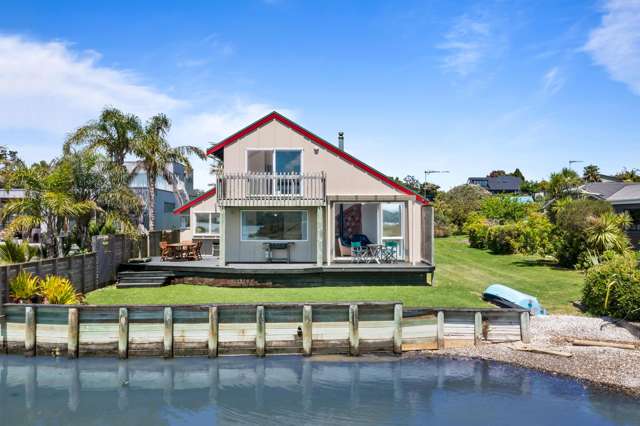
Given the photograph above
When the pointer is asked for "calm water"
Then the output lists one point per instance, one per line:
(296, 391)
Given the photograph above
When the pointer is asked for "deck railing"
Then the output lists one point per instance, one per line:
(266, 189)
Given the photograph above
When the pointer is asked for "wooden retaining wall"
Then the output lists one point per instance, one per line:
(212, 330)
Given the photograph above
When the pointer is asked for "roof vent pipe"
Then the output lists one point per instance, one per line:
(341, 141)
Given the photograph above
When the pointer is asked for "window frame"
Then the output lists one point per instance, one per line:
(273, 158)
(209, 233)
(305, 212)
(402, 243)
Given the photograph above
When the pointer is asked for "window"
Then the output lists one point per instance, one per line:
(184, 221)
(392, 225)
(207, 224)
(169, 207)
(278, 162)
(274, 225)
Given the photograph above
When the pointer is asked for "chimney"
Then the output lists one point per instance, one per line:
(341, 141)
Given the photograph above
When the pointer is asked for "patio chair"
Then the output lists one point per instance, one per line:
(195, 250)
(358, 253)
(165, 251)
(345, 248)
(390, 252)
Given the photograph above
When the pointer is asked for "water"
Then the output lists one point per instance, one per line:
(291, 390)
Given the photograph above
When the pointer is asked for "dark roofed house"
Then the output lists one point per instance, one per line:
(499, 184)
(624, 197)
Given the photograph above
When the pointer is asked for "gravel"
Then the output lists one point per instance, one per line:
(611, 367)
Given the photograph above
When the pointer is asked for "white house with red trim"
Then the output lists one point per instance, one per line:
(285, 193)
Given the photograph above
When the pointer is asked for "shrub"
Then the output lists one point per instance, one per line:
(506, 208)
(11, 252)
(477, 228)
(459, 202)
(442, 225)
(613, 288)
(503, 239)
(58, 290)
(535, 235)
(24, 287)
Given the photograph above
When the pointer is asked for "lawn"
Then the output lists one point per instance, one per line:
(462, 273)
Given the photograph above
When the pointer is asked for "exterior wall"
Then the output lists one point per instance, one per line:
(253, 251)
(342, 177)
(208, 242)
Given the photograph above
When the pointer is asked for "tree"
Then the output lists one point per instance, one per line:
(460, 201)
(563, 181)
(114, 132)
(48, 203)
(628, 175)
(497, 173)
(606, 232)
(591, 173)
(156, 157)
(426, 189)
(518, 173)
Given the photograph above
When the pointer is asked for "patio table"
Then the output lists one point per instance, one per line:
(181, 249)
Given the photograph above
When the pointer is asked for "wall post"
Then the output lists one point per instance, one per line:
(123, 333)
(213, 332)
(260, 331)
(354, 333)
(168, 332)
(397, 328)
(524, 327)
(440, 329)
(477, 328)
(72, 333)
(29, 331)
(307, 330)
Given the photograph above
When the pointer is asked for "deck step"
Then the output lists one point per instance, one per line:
(140, 279)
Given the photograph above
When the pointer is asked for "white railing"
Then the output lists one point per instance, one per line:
(266, 189)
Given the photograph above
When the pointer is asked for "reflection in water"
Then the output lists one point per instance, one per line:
(293, 390)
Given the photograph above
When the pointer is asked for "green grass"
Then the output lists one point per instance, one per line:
(462, 273)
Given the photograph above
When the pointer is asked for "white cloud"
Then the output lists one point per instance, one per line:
(467, 44)
(552, 81)
(46, 86)
(615, 44)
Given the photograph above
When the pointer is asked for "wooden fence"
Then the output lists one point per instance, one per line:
(89, 271)
(212, 330)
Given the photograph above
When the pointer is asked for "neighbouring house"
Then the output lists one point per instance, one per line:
(283, 192)
(498, 184)
(623, 196)
(168, 196)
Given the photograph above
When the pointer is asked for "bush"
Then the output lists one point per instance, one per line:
(477, 228)
(503, 239)
(442, 225)
(506, 208)
(613, 288)
(58, 291)
(460, 202)
(24, 287)
(535, 235)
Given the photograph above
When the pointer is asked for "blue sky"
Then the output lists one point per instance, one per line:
(462, 86)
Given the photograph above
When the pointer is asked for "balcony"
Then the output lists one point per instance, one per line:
(265, 189)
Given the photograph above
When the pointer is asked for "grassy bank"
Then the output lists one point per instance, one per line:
(462, 274)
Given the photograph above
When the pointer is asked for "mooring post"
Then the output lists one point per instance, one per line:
(354, 333)
(72, 333)
(524, 327)
(260, 331)
(29, 331)
(213, 332)
(477, 328)
(123, 333)
(168, 332)
(307, 330)
(397, 328)
(440, 330)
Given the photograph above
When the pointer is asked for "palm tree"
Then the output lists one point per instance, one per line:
(47, 202)
(591, 173)
(157, 156)
(562, 182)
(606, 232)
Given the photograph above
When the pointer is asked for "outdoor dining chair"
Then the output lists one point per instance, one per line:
(390, 252)
(358, 253)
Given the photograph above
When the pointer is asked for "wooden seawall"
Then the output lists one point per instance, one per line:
(228, 329)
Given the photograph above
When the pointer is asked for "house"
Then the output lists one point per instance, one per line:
(623, 196)
(284, 192)
(168, 196)
(505, 184)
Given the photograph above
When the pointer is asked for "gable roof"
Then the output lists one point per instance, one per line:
(614, 192)
(318, 141)
(500, 183)
(210, 193)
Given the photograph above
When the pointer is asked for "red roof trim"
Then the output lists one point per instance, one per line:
(332, 148)
(210, 193)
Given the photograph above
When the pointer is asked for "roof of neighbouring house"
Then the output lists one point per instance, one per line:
(210, 193)
(614, 192)
(218, 148)
(500, 183)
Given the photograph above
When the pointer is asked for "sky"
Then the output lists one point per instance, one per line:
(463, 86)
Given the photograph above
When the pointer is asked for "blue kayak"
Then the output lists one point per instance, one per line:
(510, 298)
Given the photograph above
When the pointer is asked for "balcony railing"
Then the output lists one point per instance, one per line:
(265, 189)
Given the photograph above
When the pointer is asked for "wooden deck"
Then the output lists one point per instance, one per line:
(291, 274)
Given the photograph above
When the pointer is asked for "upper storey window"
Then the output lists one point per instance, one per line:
(275, 161)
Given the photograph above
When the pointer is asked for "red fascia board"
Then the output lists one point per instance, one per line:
(210, 193)
(332, 148)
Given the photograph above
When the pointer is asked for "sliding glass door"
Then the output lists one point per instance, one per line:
(392, 220)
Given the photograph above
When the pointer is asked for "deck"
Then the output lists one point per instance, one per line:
(291, 274)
